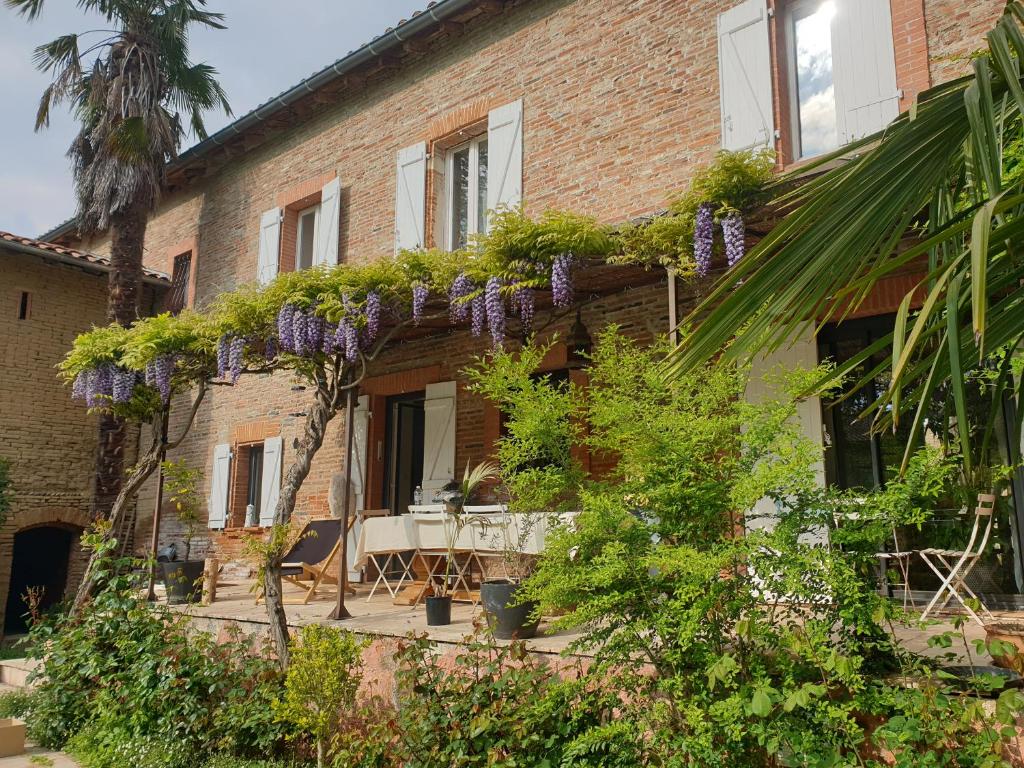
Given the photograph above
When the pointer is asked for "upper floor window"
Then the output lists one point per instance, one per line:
(177, 297)
(466, 177)
(305, 240)
(813, 86)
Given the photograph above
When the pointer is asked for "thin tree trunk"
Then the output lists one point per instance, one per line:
(320, 414)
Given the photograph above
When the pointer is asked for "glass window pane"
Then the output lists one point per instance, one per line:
(481, 188)
(460, 199)
(814, 84)
(304, 252)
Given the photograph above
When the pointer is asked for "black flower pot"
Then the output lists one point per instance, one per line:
(507, 618)
(439, 611)
(184, 581)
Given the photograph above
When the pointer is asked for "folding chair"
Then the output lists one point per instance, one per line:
(307, 563)
(954, 566)
(901, 559)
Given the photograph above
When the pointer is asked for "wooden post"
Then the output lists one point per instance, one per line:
(210, 580)
(340, 611)
(154, 539)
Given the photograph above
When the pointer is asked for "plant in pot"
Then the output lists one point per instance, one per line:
(538, 471)
(439, 604)
(183, 578)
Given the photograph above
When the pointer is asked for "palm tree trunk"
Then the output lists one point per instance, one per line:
(128, 231)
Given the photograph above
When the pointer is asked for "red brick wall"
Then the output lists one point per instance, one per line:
(956, 29)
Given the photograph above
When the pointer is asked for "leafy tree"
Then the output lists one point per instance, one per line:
(131, 89)
(941, 192)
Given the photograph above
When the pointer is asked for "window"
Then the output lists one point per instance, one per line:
(255, 479)
(466, 174)
(305, 240)
(24, 303)
(177, 296)
(813, 86)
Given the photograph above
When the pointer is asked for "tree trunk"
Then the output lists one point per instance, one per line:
(320, 414)
(124, 291)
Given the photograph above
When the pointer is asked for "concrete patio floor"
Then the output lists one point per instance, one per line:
(379, 616)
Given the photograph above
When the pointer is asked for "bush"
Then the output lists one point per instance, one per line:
(129, 676)
(15, 703)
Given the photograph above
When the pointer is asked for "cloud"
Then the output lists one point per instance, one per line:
(268, 47)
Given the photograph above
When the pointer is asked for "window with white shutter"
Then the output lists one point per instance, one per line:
(273, 447)
(219, 476)
(505, 156)
(325, 249)
(270, 246)
(744, 73)
(410, 197)
(841, 68)
(438, 437)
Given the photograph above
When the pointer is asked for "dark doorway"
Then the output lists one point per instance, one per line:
(403, 458)
(40, 561)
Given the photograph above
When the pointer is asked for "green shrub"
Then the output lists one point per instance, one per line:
(126, 674)
(15, 703)
(321, 685)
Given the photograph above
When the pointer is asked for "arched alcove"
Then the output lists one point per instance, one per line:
(40, 560)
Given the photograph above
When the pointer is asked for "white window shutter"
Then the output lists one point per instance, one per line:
(438, 436)
(219, 477)
(411, 197)
(325, 247)
(357, 476)
(864, 68)
(270, 491)
(270, 245)
(744, 75)
(505, 156)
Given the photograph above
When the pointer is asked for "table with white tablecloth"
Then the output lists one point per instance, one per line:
(427, 533)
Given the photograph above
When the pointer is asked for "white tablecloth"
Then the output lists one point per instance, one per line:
(425, 531)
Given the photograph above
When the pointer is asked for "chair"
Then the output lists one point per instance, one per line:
(896, 555)
(954, 566)
(307, 563)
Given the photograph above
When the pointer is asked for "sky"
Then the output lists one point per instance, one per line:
(269, 45)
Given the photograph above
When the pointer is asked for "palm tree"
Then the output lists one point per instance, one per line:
(129, 88)
(939, 193)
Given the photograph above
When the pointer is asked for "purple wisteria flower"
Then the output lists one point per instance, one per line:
(150, 374)
(314, 332)
(733, 233)
(525, 302)
(479, 309)
(299, 332)
(79, 386)
(419, 301)
(561, 280)
(270, 349)
(223, 350)
(703, 239)
(284, 326)
(458, 309)
(495, 310)
(164, 371)
(236, 355)
(351, 342)
(123, 384)
(372, 311)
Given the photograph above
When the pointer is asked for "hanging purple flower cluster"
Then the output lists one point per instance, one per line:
(479, 309)
(703, 238)
(524, 302)
(561, 280)
(459, 309)
(733, 234)
(495, 310)
(419, 301)
(162, 371)
(372, 311)
(223, 354)
(104, 381)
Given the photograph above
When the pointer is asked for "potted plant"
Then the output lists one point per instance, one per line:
(508, 617)
(183, 578)
(439, 604)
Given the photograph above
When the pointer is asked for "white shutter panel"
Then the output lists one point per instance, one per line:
(505, 156)
(438, 436)
(270, 491)
(864, 68)
(411, 197)
(325, 247)
(270, 245)
(744, 76)
(357, 476)
(218, 503)
(802, 353)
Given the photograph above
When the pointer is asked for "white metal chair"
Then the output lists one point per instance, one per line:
(954, 566)
(896, 556)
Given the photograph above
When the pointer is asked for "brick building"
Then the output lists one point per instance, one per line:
(48, 295)
(597, 107)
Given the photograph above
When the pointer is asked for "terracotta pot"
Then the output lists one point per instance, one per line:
(1008, 632)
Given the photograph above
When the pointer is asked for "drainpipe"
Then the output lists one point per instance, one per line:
(673, 312)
